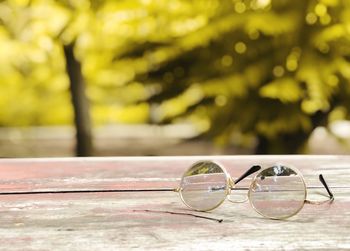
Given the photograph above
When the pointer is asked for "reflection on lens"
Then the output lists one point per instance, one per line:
(278, 192)
(204, 186)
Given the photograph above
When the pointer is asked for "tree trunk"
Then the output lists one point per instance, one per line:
(80, 103)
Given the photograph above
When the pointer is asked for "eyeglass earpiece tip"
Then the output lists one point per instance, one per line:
(256, 167)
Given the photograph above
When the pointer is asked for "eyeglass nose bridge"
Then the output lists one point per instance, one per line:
(232, 185)
(238, 201)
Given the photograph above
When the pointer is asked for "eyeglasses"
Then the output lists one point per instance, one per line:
(276, 192)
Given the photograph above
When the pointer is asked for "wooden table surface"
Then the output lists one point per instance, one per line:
(59, 204)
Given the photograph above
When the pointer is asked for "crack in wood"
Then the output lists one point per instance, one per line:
(178, 213)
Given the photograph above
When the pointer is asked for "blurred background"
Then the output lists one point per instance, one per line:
(143, 77)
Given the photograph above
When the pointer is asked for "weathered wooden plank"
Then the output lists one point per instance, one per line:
(148, 172)
(120, 221)
(110, 222)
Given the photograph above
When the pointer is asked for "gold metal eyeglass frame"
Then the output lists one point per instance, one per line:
(231, 185)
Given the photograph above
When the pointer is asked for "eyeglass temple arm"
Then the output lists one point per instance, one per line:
(250, 171)
(330, 194)
(324, 183)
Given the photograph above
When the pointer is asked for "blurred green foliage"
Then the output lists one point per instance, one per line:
(240, 70)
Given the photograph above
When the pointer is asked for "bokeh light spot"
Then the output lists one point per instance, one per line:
(278, 71)
(320, 9)
(325, 19)
(311, 18)
(254, 34)
(221, 100)
(323, 47)
(226, 60)
(240, 7)
(292, 64)
(240, 47)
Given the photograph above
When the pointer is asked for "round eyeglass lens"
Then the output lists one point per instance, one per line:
(204, 186)
(278, 192)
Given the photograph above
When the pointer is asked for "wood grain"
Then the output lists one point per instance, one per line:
(122, 220)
